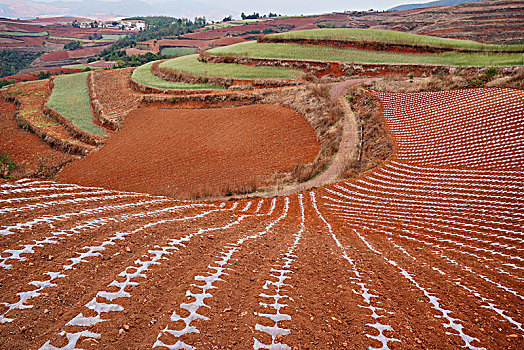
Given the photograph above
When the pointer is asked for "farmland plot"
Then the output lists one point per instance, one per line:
(423, 252)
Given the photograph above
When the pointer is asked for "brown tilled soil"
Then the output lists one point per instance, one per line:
(409, 255)
(198, 152)
(114, 93)
(27, 150)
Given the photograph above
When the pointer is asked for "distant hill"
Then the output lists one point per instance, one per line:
(430, 4)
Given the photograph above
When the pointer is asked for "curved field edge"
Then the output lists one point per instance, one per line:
(70, 98)
(391, 36)
(290, 51)
(191, 65)
(143, 75)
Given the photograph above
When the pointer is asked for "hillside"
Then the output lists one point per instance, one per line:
(430, 4)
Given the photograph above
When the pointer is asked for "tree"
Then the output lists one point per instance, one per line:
(73, 45)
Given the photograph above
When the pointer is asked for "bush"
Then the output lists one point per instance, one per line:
(6, 165)
(6, 82)
(43, 75)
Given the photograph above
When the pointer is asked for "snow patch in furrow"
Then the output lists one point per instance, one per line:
(129, 275)
(381, 337)
(43, 188)
(429, 221)
(218, 271)
(439, 249)
(16, 254)
(62, 202)
(476, 256)
(454, 323)
(54, 195)
(486, 303)
(9, 230)
(93, 251)
(280, 273)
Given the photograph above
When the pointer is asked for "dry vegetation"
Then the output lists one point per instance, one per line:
(325, 117)
(376, 144)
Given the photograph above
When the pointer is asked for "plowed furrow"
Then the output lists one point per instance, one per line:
(453, 325)
(475, 286)
(57, 276)
(183, 323)
(132, 276)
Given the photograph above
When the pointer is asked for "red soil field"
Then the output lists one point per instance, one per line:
(203, 35)
(34, 75)
(227, 41)
(179, 42)
(25, 148)
(170, 152)
(414, 254)
(65, 54)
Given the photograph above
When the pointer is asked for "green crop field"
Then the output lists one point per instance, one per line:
(70, 98)
(143, 75)
(112, 37)
(24, 33)
(178, 51)
(105, 38)
(191, 64)
(391, 36)
(80, 66)
(322, 53)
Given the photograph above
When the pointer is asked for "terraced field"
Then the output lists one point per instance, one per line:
(323, 53)
(423, 252)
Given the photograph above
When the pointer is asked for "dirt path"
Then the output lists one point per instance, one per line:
(348, 144)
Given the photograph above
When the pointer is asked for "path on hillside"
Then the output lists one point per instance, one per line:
(348, 144)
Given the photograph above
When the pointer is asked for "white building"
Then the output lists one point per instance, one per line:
(134, 24)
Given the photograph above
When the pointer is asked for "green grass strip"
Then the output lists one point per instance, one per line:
(191, 64)
(392, 36)
(143, 75)
(70, 98)
(321, 53)
(178, 51)
(24, 33)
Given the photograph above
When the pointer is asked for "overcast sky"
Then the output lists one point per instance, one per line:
(287, 7)
(304, 6)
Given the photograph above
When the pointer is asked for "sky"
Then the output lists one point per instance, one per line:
(218, 8)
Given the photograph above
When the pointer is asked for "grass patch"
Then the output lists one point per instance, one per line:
(321, 53)
(24, 33)
(112, 37)
(105, 38)
(178, 51)
(143, 75)
(80, 66)
(392, 36)
(70, 98)
(191, 64)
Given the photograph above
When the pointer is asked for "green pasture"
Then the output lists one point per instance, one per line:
(70, 98)
(24, 33)
(177, 51)
(391, 36)
(145, 76)
(323, 53)
(191, 64)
